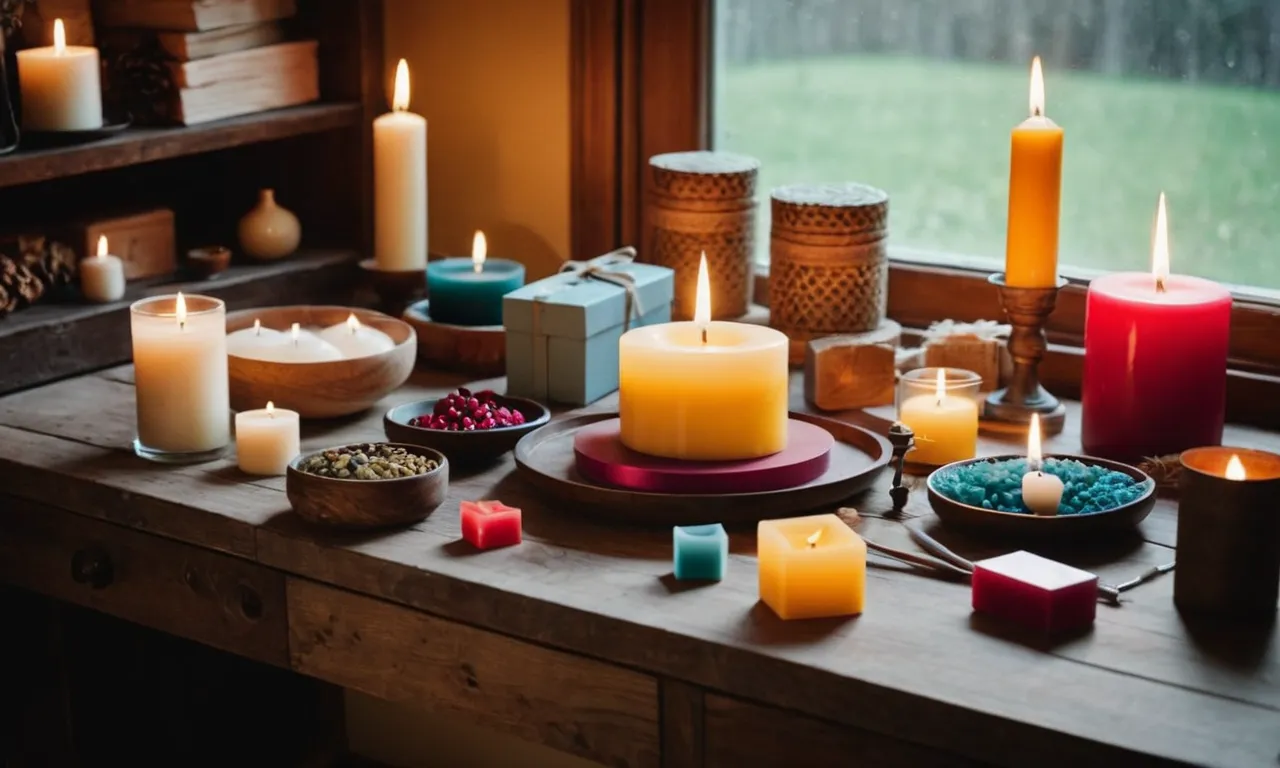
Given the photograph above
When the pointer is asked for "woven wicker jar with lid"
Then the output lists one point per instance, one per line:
(828, 265)
(703, 201)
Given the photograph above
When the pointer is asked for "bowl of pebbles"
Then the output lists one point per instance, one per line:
(367, 485)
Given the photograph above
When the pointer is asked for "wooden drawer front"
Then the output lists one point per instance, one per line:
(577, 705)
(738, 733)
(215, 599)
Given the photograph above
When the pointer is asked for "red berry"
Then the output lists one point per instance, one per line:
(517, 417)
(473, 403)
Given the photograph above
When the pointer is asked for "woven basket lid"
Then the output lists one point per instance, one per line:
(703, 176)
(844, 208)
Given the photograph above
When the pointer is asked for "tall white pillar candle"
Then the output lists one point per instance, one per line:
(400, 183)
(266, 440)
(59, 86)
(180, 373)
(102, 276)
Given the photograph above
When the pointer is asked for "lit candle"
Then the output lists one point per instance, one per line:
(470, 291)
(400, 183)
(266, 440)
(59, 86)
(247, 342)
(1155, 359)
(703, 390)
(180, 374)
(811, 567)
(1035, 186)
(302, 346)
(354, 339)
(490, 524)
(1041, 491)
(945, 425)
(102, 276)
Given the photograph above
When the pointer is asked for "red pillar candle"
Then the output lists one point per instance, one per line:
(1155, 360)
(490, 524)
(1036, 592)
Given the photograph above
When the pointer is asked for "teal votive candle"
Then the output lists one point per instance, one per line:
(459, 294)
(701, 552)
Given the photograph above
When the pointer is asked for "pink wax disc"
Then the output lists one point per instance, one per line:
(601, 457)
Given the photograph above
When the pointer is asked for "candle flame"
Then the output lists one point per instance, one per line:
(942, 384)
(180, 310)
(271, 409)
(59, 37)
(813, 538)
(353, 323)
(1235, 469)
(1160, 246)
(1037, 88)
(702, 298)
(102, 246)
(400, 99)
(479, 250)
(1035, 457)
(295, 331)
(257, 327)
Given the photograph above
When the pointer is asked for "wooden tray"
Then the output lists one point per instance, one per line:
(545, 459)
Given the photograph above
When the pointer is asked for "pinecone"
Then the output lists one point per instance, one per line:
(19, 286)
(50, 261)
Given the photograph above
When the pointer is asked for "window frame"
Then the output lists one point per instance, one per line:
(641, 77)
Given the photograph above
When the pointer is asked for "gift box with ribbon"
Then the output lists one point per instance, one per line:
(563, 331)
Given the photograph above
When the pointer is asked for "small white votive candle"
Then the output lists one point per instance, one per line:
(102, 276)
(356, 340)
(248, 342)
(59, 86)
(1041, 491)
(266, 440)
(300, 346)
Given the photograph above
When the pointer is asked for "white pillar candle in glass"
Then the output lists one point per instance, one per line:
(354, 339)
(249, 342)
(102, 276)
(400, 183)
(301, 346)
(180, 370)
(266, 440)
(59, 86)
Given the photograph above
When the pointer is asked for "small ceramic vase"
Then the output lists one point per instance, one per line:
(269, 231)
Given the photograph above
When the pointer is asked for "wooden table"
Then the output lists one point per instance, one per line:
(581, 640)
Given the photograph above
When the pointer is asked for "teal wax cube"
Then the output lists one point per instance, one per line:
(701, 552)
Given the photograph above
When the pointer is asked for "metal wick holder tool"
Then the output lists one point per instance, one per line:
(903, 440)
(1027, 309)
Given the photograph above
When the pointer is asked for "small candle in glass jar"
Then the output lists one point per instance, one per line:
(940, 407)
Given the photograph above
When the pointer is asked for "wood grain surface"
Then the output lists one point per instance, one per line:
(574, 704)
(1146, 686)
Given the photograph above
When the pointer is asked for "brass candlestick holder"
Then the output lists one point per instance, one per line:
(1027, 309)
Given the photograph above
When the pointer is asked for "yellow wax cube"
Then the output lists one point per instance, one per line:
(811, 567)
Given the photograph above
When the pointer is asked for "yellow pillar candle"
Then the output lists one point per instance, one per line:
(945, 425)
(59, 86)
(811, 567)
(703, 391)
(400, 183)
(1035, 186)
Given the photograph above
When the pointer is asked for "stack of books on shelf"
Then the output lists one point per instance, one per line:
(192, 61)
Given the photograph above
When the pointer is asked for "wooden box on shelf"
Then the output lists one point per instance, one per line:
(143, 240)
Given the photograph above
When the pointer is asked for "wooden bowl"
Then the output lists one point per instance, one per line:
(208, 262)
(320, 390)
(1030, 527)
(343, 503)
(464, 447)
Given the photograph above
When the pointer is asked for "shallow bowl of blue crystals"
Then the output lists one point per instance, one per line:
(985, 496)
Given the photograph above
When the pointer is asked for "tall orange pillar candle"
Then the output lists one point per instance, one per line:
(1035, 187)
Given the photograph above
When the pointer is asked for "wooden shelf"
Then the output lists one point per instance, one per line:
(145, 145)
(49, 341)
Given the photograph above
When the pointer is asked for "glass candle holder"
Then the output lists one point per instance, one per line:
(941, 406)
(180, 370)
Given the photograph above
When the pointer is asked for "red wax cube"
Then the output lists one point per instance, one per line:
(1035, 592)
(490, 524)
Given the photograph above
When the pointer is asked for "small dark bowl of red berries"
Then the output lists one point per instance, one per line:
(468, 427)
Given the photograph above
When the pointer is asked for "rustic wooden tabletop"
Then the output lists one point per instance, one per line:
(1146, 685)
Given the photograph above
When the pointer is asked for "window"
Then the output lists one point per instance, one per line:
(918, 97)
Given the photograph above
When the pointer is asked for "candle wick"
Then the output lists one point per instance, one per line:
(704, 334)
(1159, 285)
(1036, 111)
(182, 326)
